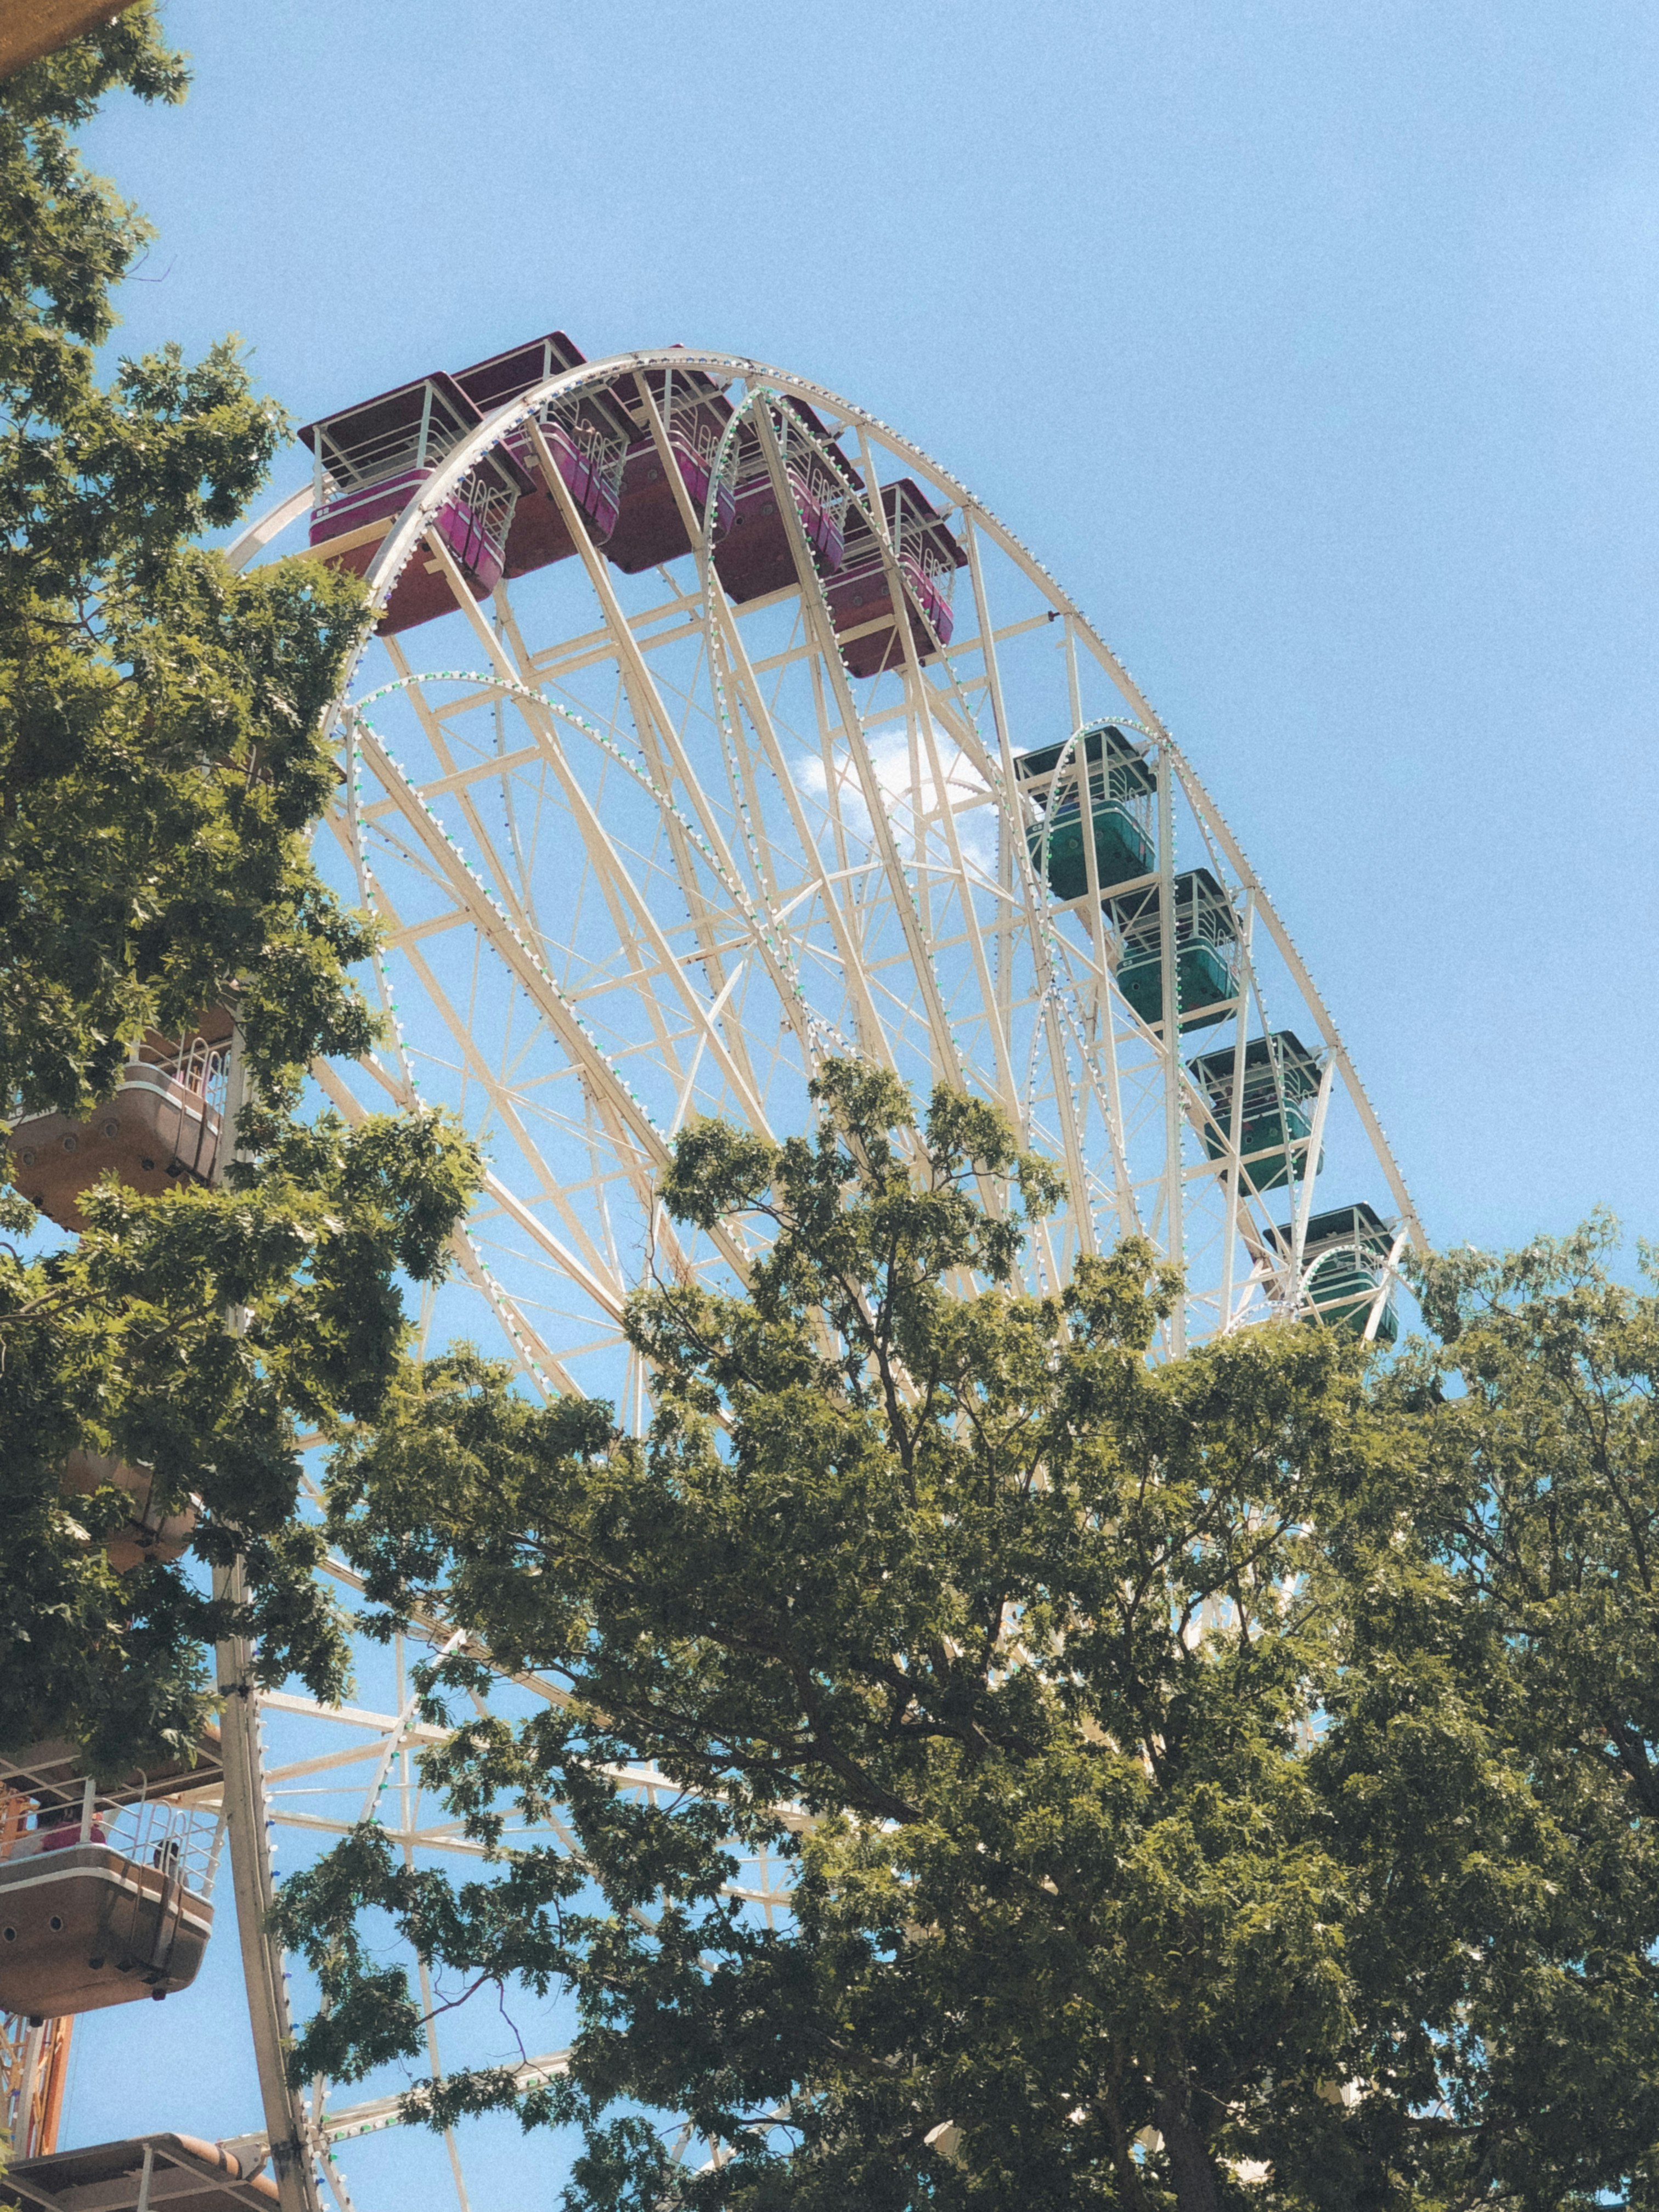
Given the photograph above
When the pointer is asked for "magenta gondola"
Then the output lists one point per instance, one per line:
(586, 436)
(372, 458)
(926, 554)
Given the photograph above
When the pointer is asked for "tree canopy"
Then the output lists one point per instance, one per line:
(162, 758)
(160, 750)
(1193, 1794)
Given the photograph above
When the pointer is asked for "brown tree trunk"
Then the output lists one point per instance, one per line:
(1191, 2167)
(1130, 2185)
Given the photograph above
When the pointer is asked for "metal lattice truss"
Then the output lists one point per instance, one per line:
(643, 852)
(323, 1770)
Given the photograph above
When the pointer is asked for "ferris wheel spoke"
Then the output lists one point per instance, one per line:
(542, 1366)
(656, 728)
(946, 1059)
(592, 1269)
(709, 916)
(639, 933)
(528, 972)
(663, 740)
(805, 841)
(435, 738)
(651, 719)
(1017, 859)
(919, 692)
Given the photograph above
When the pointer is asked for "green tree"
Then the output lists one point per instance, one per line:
(161, 753)
(1537, 1483)
(163, 757)
(1173, 1812)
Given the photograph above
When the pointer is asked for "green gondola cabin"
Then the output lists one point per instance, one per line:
(1207, 950)
(1280, 1076)
(1343, 1255)
(1120, 791)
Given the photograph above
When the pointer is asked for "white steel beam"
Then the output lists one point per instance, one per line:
(946, 1060)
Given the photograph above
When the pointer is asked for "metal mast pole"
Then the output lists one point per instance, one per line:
(292, 2167)
(1170, 981)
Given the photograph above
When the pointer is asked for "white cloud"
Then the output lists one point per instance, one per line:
(907, 786)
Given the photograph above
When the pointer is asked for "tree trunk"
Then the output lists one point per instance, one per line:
(1191, 2167)
(1130, 2185)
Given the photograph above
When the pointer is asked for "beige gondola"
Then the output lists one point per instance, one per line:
(147, 2171)
(160, 1128)
(151, 1532)
(103, 1894)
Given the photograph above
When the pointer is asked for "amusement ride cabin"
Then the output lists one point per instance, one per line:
(756, 555)
(503, 520)
(1207, 950)
(650, 529)
(371, 459)
(144, 2174)
(927, 555)
(1280, 1075)
(151, 1532)
(1345, 1256)
(103, 1890)
(587, 438)
(161, 1128)
(1119, 791)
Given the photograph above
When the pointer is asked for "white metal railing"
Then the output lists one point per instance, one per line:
(349, 468)
(191, 1086)
(418, 440)
(200, 1068)
(182, 1841)
(801, 460)
(488, 504)
(603, 455)
(914, 550)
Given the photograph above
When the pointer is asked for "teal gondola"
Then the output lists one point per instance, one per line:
(1121, 788)
(1344, 1253)
(1207, 950)
(1280, 1075)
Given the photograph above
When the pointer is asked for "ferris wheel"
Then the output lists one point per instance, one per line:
(710, 729)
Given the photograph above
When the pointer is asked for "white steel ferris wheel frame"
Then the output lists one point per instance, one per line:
(704, 835)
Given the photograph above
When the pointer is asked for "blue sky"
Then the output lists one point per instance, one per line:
(1313, 347)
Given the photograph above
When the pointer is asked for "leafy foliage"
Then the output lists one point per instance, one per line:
(1538, 1467)
(162, 757)
(1175, 1817)
(160, 749)
(121, 1344)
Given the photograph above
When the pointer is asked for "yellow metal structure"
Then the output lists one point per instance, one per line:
(34, 2068)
